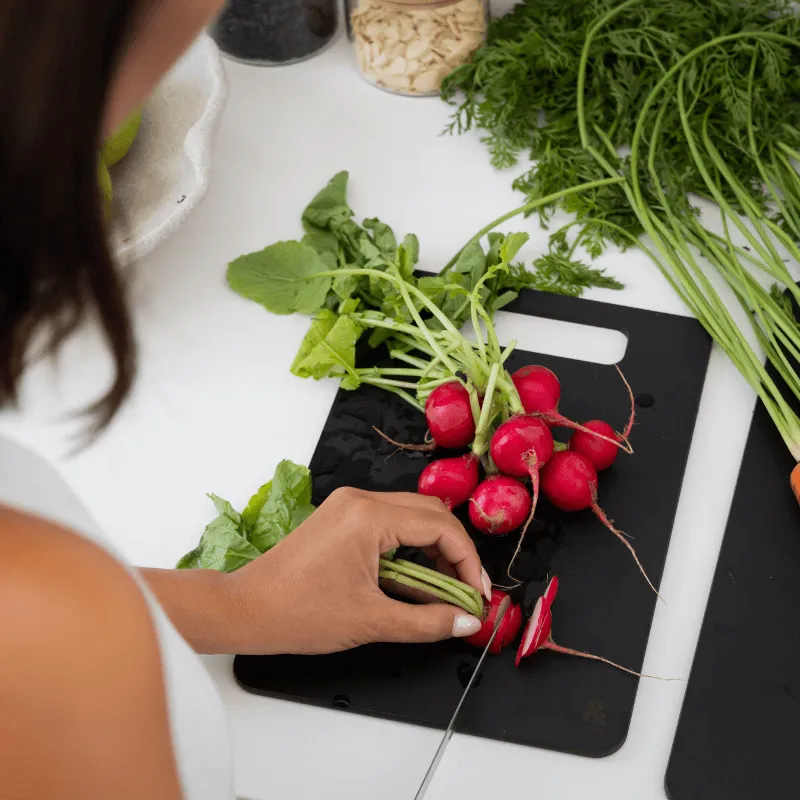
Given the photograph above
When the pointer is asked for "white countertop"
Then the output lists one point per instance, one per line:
(215, 409)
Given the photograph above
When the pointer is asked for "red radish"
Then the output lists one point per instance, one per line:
(507, 630)
(569, 482)
(537, 636)
(452, 480)
(538, 387)
(513, 441)
(540, 392)
(449, 415)
(499, 505)
(600, 452)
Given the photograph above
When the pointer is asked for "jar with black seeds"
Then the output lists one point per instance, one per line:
(272, 32)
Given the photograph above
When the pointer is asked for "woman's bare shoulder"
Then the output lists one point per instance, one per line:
(44, 563)
(80, 671)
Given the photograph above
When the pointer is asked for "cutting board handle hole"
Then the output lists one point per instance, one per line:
(555, 337)
(341, 701)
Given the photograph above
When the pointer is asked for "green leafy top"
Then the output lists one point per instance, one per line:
(281, 278)
(232, 540)
(346, 276)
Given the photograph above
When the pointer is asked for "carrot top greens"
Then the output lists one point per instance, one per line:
(678, 100)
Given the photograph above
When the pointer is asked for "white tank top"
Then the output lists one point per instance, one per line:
(197, 716)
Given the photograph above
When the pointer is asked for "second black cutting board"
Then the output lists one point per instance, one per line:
(738, 732)
(604, 605)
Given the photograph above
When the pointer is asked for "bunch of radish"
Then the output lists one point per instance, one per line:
(523, 458)
(538, 631)
(471, 402)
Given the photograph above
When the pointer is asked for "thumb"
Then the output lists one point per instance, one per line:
(432, 622)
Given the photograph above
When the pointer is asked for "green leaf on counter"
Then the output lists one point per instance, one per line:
(320, 327)
(281, 278)
(223, 545)
(323, 241)
(283, 504)
(329, 347)
(232, 540)
(329, 207)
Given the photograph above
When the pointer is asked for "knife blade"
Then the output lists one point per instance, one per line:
(448, 734)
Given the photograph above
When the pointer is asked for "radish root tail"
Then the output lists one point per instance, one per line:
(421, 448)
(629, 427)
(568, 651)
(601, 515)
(533, 470)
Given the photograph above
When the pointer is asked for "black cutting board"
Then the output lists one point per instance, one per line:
(738, 733)
(604, 605)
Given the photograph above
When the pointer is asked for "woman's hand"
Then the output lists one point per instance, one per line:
(317, 591)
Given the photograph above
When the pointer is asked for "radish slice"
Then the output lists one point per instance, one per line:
(551, 591)
(537, 631)
(502, 614)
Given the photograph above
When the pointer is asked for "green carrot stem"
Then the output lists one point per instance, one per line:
(532, 205)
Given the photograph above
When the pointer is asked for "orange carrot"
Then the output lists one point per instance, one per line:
(794, 481)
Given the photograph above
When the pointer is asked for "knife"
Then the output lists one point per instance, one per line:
(448, 734)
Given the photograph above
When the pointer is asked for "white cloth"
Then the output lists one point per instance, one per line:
(197, 715)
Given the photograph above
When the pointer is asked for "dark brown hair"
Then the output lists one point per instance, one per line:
(57, 61)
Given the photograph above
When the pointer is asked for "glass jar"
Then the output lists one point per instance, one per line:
(272, 32)
(410, 47)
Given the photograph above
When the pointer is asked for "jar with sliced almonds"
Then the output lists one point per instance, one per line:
(411, 47)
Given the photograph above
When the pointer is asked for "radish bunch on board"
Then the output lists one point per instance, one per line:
(517, 451)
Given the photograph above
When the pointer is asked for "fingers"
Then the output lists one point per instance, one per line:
(401, 622)
(403, 518)
(411, 500)
(424, 529)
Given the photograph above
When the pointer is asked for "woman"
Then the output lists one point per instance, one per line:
(100, 693)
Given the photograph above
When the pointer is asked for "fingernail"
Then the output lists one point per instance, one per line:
(465, 625)
(487, 584)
